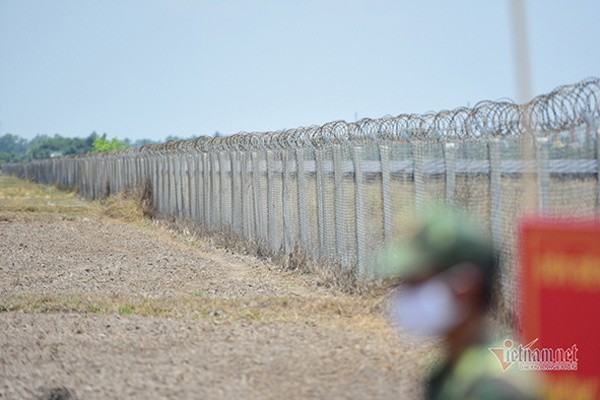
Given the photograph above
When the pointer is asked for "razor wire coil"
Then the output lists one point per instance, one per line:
(564, 108)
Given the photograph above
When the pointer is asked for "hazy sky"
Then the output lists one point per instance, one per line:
(150, 68)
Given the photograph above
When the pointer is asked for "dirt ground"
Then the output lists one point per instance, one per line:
(100, 303)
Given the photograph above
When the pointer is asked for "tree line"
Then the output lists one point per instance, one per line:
(14, 148)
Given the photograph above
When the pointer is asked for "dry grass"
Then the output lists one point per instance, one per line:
(19, 196)
(25, 200)
(358, 311)
(125, 207)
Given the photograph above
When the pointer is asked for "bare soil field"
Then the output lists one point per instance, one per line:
(97, 302)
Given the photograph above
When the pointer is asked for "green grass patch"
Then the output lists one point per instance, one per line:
(94, 309)
(126, 309)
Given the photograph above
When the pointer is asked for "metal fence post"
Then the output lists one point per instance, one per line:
(224, 197)
(171, 203)
(183, 189)
(198, 161)
(285, 201)
(206, 172)
(543, 174)
(303, 232)
(450, 168)
(495, 191)
(215, 190)
(189, 181)
(271, 236)
(236, 192)
(246, 193)
(178, 175)
(386, 195)
(170, 192)
(359, 213)
(258, 215)
(418, 175)
(160, 184)
(320, 204)
(193, 192)
(340, 205)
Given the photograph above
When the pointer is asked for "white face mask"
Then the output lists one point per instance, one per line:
(427, 309)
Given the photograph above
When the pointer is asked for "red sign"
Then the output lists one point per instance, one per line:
(560, 303)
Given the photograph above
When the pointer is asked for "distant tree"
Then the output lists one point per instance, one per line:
(8, 157)
(217, 134)
(44, 146)
(89, 141)
(102, 144)
(10, 143)
(16, 149)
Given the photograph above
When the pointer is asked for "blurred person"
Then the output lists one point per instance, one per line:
(444, 275)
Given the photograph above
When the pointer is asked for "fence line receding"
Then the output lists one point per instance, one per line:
(342, 190)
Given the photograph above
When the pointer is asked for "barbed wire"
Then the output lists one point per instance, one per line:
(564, 108)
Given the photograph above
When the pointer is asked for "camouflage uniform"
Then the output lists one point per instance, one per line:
(476, 374)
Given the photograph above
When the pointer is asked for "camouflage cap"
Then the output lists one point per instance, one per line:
(444, 236)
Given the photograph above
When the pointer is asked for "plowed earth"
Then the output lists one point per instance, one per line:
(97, 302)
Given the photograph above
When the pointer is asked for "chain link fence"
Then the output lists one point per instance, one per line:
(343, 190)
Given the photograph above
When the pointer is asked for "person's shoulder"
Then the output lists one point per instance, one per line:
(479, 374)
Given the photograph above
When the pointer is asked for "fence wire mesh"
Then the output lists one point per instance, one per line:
(343, 190)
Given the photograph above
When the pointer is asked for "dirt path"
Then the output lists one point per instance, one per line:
(111, 309)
